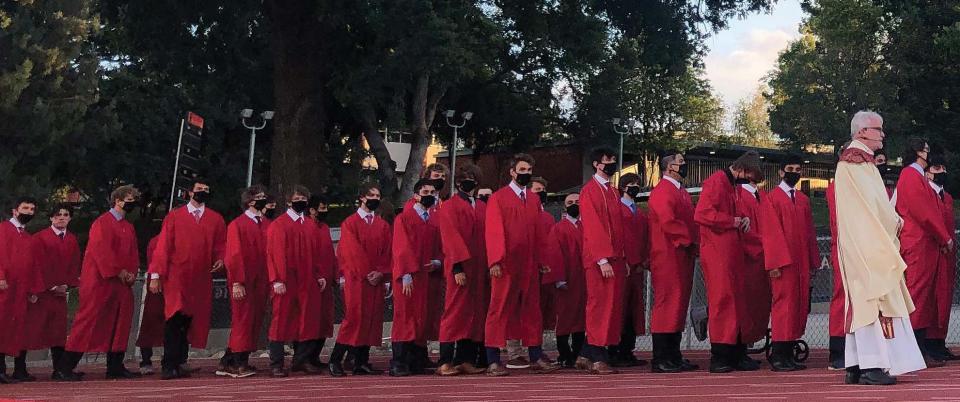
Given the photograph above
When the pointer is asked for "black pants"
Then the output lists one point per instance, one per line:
(595, 353)
(628, 341)
(175, 343)
(301, 353)
(20, 363)
(837, 348)
(457, 353)
(69, 361)
(666, 347)
(569, 351)
(146, 357)
(921, 335)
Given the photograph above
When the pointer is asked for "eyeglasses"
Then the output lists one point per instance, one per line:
(880, 129)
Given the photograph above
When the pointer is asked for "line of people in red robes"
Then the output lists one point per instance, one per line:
(472, 271)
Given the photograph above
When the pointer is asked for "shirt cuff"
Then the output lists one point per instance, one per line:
(602, 261)
(154, 275)
(561, 284)
(436, 263)
(407, 279)
(277, 285)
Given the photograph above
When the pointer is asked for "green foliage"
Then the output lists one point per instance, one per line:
(751, 121)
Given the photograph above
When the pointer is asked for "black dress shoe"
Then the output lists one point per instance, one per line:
(23, 376)
(5, 379)
(721, 368)
(336, 369)
(686, 365)
(366, 369)
(782, 366)
(398, 370)
(278, 372)
(65, 377)
(170, 374)
(876, 377)
(305, 368)
(747, 364)
(853, 376)
(665, 367)
(122, 375)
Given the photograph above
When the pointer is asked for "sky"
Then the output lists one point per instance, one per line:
(740, 56)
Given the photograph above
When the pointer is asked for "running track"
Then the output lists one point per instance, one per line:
(633, 384)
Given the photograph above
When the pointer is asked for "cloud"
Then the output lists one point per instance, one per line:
(736, 72)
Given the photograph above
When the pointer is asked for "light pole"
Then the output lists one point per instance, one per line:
(264, 117)
(449, 114)
(628, 128)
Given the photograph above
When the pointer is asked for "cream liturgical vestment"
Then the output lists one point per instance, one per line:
(872, 269)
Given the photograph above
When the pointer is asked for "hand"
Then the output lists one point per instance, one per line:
(544, 269)
(217, 266)
(3, 284)
(627, 275)
(744, 224)
(775, 273)
(60, 290)
(606, 270)
(279, 288)
(374, 278)
(126, 277)
(239, 292)
(32, 299)
(495, 271)
(408, 289)
(155, 286)
(461, 279)
(323, 284)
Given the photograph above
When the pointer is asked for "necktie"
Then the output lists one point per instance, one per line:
(196, 215)
(940, 193)
(300, 220)
(633, 208)
(757, 194)
(523, 196)
(258, 219)
(61, 235)
(426, 216)
(369, 219)
(19, 230)
(792, 197)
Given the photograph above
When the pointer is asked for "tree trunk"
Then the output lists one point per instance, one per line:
(424, 109)
(386, 166)
(297, 156)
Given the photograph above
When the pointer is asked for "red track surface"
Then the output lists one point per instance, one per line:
(633, 384)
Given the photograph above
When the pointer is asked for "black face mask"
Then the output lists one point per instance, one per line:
(633, 191)
(322, 216)
(372, 204)
(259, 205)
(741, 181)
(201, 196)
(427, 200)
(128, 207)
(523, 179)
(439, 184)
(609, 168)
(543, 197)
(468, 185)
(298, 206)
(270, 213)
(791, 178)
(682, 171)
(24, 219)
(940, 179)
(573, 211)
(484, 198)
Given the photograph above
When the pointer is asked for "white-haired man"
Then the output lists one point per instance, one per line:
(880, 342)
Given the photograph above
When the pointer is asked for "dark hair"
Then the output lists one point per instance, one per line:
(365, 189)
(597, 154)
(316, 200)
(120, 193)
(791, 159)
(879, 152)
(913, 145)
(521, 158)
(60, 206)
(24, 200)
(667, 157)
(424, 182)
(436, 167)
(539, 179)
(199, 180)
(468, 171)
(628, 179)
(249, 194)
(297, 189)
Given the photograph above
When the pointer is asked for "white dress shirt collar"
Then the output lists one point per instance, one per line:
(749, 187)
(571, 219)
(192, 209)
(57, 232)
(17, 224)
(936, 187)
(516, 188)
(364, 214)
(253, 216)
(786, 189)
(603, 182)
(672, 180)
(420, 211)
(918, 168)
(293, 215)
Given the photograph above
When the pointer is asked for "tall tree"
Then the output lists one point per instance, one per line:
(751, 121)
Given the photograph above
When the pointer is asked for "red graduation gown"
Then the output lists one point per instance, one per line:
(328, 270)
(789, 244)
(756, 281)
(186, 251)
(465, 308)
(637, 245)
(291, 261)
(924, 231)
(363, 248)
(435, 298)
(548, 281)
(837, 302)
(102, 322)
(721, 256)
(672, 232)
(512, 232)
(151, 315)
(415, 244)
(18, 266)
(565, 254)
(59, 263)
(946, 274)
(603, 237)
(246, 262)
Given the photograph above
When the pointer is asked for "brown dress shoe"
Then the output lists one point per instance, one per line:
(278, 373)
(933, 363)
(583, 363)
(496, 370)
(447, 370)
(602, 368)
(470, 369)
(543, 367)
(518, 363)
